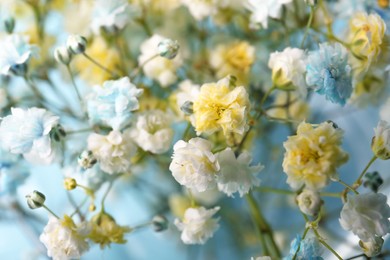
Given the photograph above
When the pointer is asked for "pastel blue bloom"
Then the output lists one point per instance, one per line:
(113, 103)
(329, 73)
(27, 132)
(309, 249)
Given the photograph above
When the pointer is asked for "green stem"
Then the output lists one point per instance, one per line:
(322, 241)
(359, 179)
(77, 208)
(112, 73)
(106, 194)
(74, 84)
(50, 211)
(308, 26)
(142, 225)
(186, 132)
(347, 187)
(274, 190)
(78, 131)
(140, 66)
(299, 246)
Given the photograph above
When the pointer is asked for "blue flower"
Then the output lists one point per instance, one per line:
(309, 249)
(112, 103)
(27, 132)
(329, 73)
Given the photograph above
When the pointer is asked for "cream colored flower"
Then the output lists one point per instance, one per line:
(381, 141)
(313, 155)
(309, 202)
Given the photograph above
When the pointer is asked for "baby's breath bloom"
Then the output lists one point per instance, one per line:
(113, 151)
(233, 59)
(373, 247)
(221, 106)
(197, 225)
(28, 132)
(366, 215)
(63, 239)
(261, 10)
(194, 165)
(312, 155)
(381, 141)
(309, 248)
(309, 202)
(236, 174)
(110, 15)
(113, 103)
(329, 73)
(152, 131)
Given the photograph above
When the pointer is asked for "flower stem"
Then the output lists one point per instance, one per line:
(308, 26)
(359, 179)
(50, 211)
(347, 187)
(322, 241)
(112, 73)
(140, 66)
(106, 194)
(74, 84)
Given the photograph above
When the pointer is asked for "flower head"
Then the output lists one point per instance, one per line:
(261, 10)
(194, 165)
(366, 215)
(381, 141)
(197, 225)
(110, 15)
(329, 73)
(312, 155)
(309, 248)
(113, 103)
(309, 202)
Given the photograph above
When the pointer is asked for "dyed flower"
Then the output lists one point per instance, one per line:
(15, 52)
(233, 59)
(366, 215)
(235, 174)
(28, 132)
(113, 103)
(313, 155)
(197, 225)
(261, 10)
(381, 142)
(113, 151)
(221, 106)
(289, 67)
(289, 105)
(63, 239)
(110, 15)
(309, 248)
(158, 68)
(309, 202)
(152, 131)
(194, 165)
(329, 74)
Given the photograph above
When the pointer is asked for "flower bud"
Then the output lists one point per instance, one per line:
(9, 24)
(92, 207)
(309, 202)
(380, 144)
(70, 184)
(57, 133)
(19, 69)
(76, 44)
(160, 223)
(373, 181)
(86, 159)
(168, 48)
(187, 108)
(62, 55)
(372, 247)
(35, 199)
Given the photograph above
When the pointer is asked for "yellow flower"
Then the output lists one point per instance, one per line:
(366, 33)
(289, 107)
(103, 55)
(106, 231)
(313, 155)
(221, 106)
(233, 59)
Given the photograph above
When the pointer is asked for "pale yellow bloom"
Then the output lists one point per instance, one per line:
(221, 106)
(313, 155)
(233, 59)
(366, 33)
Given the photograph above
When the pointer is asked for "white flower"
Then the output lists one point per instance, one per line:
(158, 68)
(236, 175)
(309, 202)
(200, 9)
(27, 132)
(381, 142)
(366, 215)
(110, 15)
(15, 52)
(194, 165)
(113, 151)
(208, 197)
(62, 239)
(152, 131)
(263, 9)
(113, 103)
(198, 225)
(289, 66)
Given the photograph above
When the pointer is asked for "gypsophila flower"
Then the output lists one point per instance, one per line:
(366, 215)
(312, 155)
(261, 10)
(113, 151)
(236, 174)
(152, 131)
(27, 132)
(309, 202)
(63, 240)
(197, 225)
(381, 141)
(112, 103)
(194, 165)
(309, 248)
(329, 73)
(110, 16)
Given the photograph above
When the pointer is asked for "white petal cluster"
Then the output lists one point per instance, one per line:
(263, 9)
(158, 68)
(366, 215)
(113, 151)
(27, 132)
(194, 165)
(62, 241)
(198, 225)
(152, 131)
(381, 142)
(309, 202)
(236, 174)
